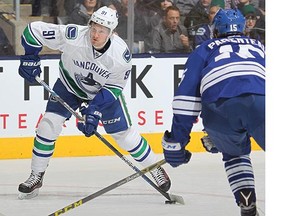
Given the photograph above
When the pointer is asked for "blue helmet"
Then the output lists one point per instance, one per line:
(228, 22)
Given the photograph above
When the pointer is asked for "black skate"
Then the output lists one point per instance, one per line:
(249, 211)
(161, 178)
(247, 203)
(30, 188)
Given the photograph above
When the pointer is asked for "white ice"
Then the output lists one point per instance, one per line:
(202, 183)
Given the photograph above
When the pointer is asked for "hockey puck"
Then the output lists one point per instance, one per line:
(170, 202)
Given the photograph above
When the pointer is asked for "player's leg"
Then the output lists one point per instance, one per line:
(117, 123)
(225, 123)
(48, 130)
(240, 176)
(256, 120)
(239, 169)
(140, 150)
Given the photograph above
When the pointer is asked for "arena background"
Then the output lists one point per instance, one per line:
(149, 93)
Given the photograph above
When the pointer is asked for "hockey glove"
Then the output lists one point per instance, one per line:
(92, 118)
(208, 144)
(29, 67)
(175, 154)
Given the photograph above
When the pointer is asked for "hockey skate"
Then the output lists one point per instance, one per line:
(161, 178)
(249, 211)
(30, 188)
(246, 204)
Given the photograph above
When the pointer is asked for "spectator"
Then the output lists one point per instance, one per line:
(197, 16)
(242, 3)
(251, 19)
(205, 32)
(219, 3)
(82, 12)
(6, 49)
(260, 13)
(44, 8)
(36, 8)
(113, 4)
(69, 5)
(185, 6)
(60, 9)
(229, 4)
(155, 19)
(261, 6)
(49, 8)
(140, 26)
(256, 3)
(170, 36)
(160, 11)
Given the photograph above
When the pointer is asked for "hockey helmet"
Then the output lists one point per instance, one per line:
(228, 22)
(106, 17)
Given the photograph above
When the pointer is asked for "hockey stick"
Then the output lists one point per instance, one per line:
(170, 197)
(107, 189)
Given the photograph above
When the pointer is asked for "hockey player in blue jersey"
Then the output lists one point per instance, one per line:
(224, 80)
(94, 68)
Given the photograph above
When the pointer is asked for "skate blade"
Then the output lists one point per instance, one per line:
(31, 195)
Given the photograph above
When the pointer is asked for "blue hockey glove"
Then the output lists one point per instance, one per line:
(208, 144)
(175, 154)
(92, 118)
(29, 67)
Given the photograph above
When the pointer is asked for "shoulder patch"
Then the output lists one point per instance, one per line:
(127, 55)
(71, 32)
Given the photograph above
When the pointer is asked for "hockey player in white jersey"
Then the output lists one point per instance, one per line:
(224, 80)
(94, 67)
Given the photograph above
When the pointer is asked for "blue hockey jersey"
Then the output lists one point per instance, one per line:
(219, 68)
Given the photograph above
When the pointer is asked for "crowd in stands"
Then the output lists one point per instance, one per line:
(161, 25)
(6, 48)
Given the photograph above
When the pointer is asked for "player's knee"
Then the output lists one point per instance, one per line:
(127, 139)
(50, 126)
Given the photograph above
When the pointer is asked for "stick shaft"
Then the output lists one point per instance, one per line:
(107, 189)
(110, 146)
(58, 98)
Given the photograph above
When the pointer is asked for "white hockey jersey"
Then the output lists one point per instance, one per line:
(83, 70)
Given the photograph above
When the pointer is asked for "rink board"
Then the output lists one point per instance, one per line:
(74, 146)
(148, 93)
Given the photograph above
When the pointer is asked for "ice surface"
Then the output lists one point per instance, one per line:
(202, 183)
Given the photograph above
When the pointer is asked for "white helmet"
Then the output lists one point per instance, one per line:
(106, 17)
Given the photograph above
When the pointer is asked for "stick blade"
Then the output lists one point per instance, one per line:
(176, 198)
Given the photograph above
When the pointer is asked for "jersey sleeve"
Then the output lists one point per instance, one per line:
(39, 34)
(187, 100)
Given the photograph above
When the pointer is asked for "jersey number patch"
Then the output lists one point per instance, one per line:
(244, 52)
(50, 35)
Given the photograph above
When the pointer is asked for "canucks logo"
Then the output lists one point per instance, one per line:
(127, 55)
(88, 83)
(71, 32)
